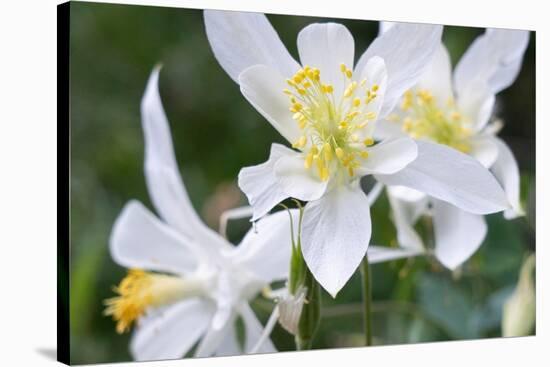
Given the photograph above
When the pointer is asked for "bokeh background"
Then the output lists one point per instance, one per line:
(216, 132)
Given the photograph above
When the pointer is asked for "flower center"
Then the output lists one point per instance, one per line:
(335, 128)
(140, 290)
(425, 119)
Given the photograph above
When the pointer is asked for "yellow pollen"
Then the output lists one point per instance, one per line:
(370, 115)
(327, 88)
(327, 151)
(300, 143)
(332, 123)
(364, 154)
(368, 142)
(427, 118)
(308, 161)
(324, 174)
(141, 290)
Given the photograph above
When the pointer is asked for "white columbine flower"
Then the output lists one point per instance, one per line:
(455, 111)
(327, 109)
(187, 282)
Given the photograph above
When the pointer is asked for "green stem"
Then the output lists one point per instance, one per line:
(367, 300)
(311, 313)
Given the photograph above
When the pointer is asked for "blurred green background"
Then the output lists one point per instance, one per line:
(216, 132)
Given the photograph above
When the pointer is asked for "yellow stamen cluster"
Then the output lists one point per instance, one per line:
(140, 290)
(424, 118)
(333, 126)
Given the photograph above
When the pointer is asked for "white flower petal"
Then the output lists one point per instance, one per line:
(386, 129)
(241, 39)
(451, 176)
(407, 194)
(164, 183)
(336, 231)
(405, 213)
(297, 181)
(265, 249)
(170, 333)
(458, 234)
(494, 59)
(263, 87)
(380, 254)
(506, 171)
(476, 103)
(374, 73)
(384, 26)
(216, 334)
(326, 46)
(253, 330)
(259, 183)
(389, 156)
(437, 77)
(139, 240)
(484, 150)
(407, 50)
(230, 345)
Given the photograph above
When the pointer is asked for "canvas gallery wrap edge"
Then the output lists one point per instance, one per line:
(251, 183)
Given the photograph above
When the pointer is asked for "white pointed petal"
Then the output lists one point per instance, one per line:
(506, 171)
(389, 156)
(405, 213)
(230, 345)
(386, 129)
(265, 249)
(170, 333)
(263, 87)
(451, 176)
(484, 149)
(326, 46)
(241, 39)
(458, 234)
(407, 50)
(139, 240)
(216, 334)
(253, 330)
(259, 183)
(164, 183)
(408, 195)
(476, 103)
(437, 77)
(297, 181)
(374, 73)
(384, 26)
(380, 254)
(336, 230)
(493, 59)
